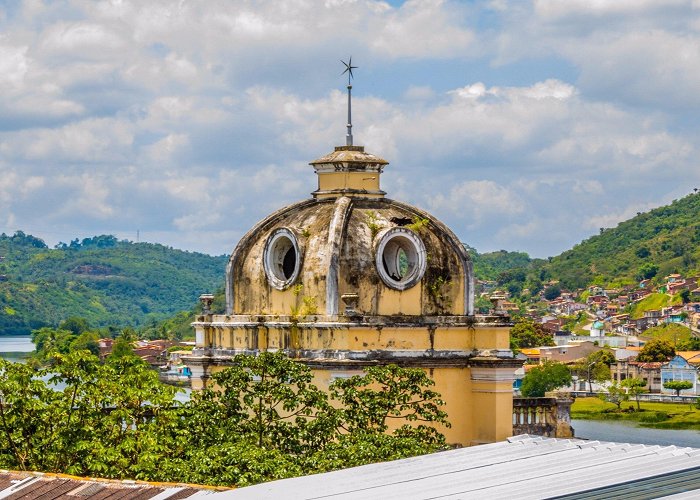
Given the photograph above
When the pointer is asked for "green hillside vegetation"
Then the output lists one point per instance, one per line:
(651, 302)
(667, 237)
(101, 279)
(674, 333)
(488, 266)
(651, 245)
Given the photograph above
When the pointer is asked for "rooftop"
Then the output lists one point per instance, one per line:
(523, 467)
(28, 485)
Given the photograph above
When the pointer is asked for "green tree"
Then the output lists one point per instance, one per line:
(647, 271)
(123, 345)
(615, 394)
(74, 324)
(263, 420)
(545, 377)
(51, 340)
(678, 385)
(86, 341)
(635, 387)
(526, 333)
(656, 350)
(390, 393)
(604, 356)
(595, 366)
(99, 424)
(273, 423)
(552, 292)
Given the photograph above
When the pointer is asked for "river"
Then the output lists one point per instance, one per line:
(15, 348)
(628, 432)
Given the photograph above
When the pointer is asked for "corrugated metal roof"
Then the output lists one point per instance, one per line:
(31, 485)
(523, 467)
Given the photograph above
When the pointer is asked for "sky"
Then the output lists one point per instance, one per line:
(524, 126)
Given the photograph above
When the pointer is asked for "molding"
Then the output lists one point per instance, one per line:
(335, 239)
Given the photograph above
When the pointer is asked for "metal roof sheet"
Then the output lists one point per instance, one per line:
(31, 485)
(523, 467)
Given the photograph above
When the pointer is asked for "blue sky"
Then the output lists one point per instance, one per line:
(522, 125)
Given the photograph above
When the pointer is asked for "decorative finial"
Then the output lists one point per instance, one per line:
(348, 69)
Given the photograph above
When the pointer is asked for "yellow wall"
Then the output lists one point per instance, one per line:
(478, 394)
(348, 180)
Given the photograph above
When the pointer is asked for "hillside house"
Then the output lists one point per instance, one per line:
(569, 352)
(629, 368)
(532, 355)
(684, 366)
(638, 295)
(673, 314)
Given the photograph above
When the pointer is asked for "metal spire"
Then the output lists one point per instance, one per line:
(348, 69)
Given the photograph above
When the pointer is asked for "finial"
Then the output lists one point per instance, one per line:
(348, 69)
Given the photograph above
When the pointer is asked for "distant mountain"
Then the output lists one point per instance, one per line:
(106, 281)
(654, 243)
(650, 245)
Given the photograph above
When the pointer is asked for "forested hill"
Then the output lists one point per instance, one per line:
(106, 281)
(657, 242)
(489, 266)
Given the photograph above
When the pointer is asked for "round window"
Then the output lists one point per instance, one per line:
(400, 258)
(282, 259)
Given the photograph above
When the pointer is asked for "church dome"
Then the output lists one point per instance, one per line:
(349, 251)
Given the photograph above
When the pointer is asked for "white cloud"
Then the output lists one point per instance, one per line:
(475, 201)
(190, 122)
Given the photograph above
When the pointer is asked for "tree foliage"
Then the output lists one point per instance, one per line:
(678, 385)
(263, 420)
(526, 333)
(656, 350)
(615, 394)
(634, 386)
(545, 377)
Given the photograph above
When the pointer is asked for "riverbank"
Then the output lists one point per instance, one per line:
(652, 415)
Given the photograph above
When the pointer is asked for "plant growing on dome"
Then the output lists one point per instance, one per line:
(373, 223)
(438, 291)
(418, 224)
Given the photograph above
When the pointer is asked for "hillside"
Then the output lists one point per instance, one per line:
(667, 237)
(106, 281)
(490, 265)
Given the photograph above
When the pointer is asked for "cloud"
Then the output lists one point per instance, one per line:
(478, 200)
(191, 123)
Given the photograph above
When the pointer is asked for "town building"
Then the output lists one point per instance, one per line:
(682, 367)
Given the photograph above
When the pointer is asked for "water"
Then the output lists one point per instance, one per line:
(627, 432)
(15, 348)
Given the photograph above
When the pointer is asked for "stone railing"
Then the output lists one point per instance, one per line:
(550, 416)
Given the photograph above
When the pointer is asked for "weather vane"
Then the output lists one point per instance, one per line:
(348, 69)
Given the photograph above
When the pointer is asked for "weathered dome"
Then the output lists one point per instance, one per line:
(349, 250)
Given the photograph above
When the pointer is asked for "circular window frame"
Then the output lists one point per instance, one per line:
(274, 267)
(413, 247)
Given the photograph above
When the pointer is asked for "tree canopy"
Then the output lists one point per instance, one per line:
(656, 350)
(678, 385)
(526, 333)
(264, 419)
(545, 377)
(103, 280)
